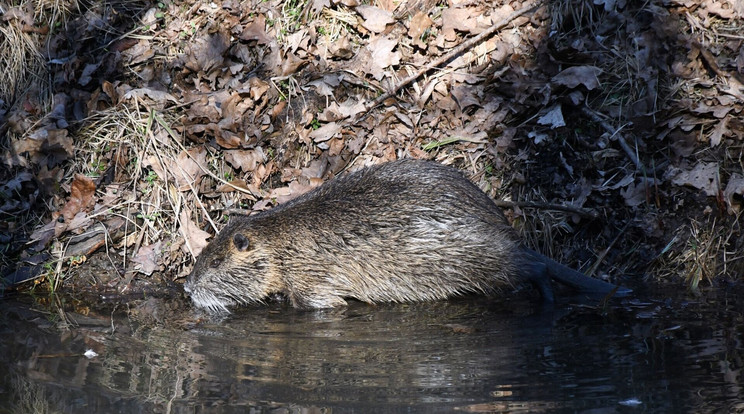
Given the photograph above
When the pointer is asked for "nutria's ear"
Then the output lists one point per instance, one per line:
(241, 242)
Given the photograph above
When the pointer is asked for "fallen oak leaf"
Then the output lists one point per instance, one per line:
(147, 258)
(82, 191)
(420, 23)
(246, 160)
(256, 31)
(457, 19)
(325, 132)
(578, 75)
(554, 118)
(704, 176)
(734, 187)
(206, 53)
(195, 238)
(375, 19)
(155, 95)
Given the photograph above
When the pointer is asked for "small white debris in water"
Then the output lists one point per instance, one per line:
(631, 402)
(90, 354)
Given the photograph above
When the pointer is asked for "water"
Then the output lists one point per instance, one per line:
(671, 354)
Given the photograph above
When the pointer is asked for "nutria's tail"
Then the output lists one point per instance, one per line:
(579, 281)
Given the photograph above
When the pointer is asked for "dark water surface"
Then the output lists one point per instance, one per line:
(672, 355)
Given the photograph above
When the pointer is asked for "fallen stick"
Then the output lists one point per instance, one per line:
(547, 206)
(615, 133)
(449, 55)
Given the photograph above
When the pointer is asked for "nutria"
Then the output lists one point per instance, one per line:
(403, 231)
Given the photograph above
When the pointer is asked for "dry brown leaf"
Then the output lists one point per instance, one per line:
(704, 176)
(258, 88)
(375, 19)
(457, 19)
(189, 167)
(206, 52)
(185, 170)
(316, 169)
(341, 48)
(87, 74)
(318, 5)
(378, 55)
(293, 190)
(156, 95)
(79, 223)
(553, 118)
(291, 63)
(245, 160)
(420, 23)
(466, 95)
(138, 53)
(579, 75)
(24, 14)
(195, 238)
(719, 132)
(325, 132)
(51, 145)
(296, 40)
(82, 192)
(634, 194)
(205, 109)
(239, 184)
(256, 31)
(148, 257)
(351, 107)
(722, 8)
(734, 187)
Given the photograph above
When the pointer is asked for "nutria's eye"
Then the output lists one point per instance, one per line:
(241, 242)
(215, 263)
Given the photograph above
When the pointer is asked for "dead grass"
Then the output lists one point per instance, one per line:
(698, 253)
(22, 64)
(21, 47)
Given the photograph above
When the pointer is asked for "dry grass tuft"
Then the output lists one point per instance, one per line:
(121, 143)
(698, 253)
(21, 60)
(25, 71)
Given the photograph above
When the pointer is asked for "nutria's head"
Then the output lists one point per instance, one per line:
(233, 269)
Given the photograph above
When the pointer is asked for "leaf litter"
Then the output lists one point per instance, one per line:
(133, 129)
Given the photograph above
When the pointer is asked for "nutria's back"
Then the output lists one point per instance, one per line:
(407, 230)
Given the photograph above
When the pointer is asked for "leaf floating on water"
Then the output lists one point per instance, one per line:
(632, 402)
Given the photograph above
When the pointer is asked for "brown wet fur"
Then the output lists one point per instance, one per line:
(403, 231)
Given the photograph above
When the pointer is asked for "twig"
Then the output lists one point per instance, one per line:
(607, 249)
(451, 54)
(236, 212)
(547, 206)
(616, 133)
